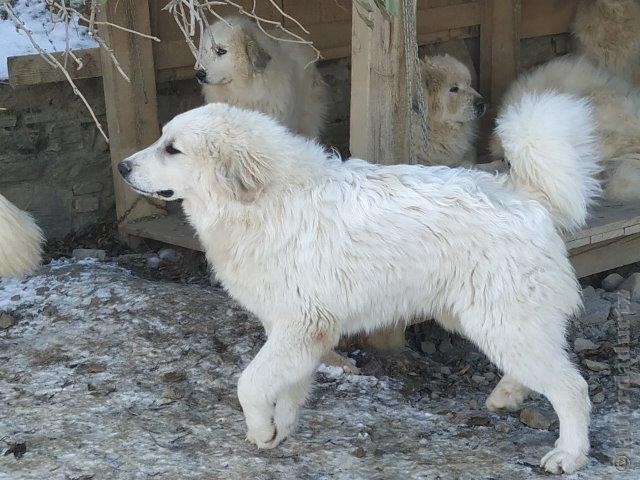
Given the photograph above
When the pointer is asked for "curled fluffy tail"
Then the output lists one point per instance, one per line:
(20, 241)
(550, 141)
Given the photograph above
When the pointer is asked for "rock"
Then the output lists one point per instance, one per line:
(598, 397)
(582, 344)
(596, 311)
(84, 253)
(503, 427)
(612, 281)
(596, 366)
(534, 418)
(588, 291)
(632, 285)
(473, 403)
(477, 378)
(154, 262)
(445, 345)
(359, 452)
(6, 321)
(91, 367)
(428, 347)
(478, 421)
(445, 370)
(490, 376)
(168, 255)
(174, 377)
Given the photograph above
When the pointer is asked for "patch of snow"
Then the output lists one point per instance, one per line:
(50, 35)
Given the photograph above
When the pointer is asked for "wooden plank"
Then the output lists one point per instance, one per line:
(602, 256)
(546, 17)
(609, 220)
(131, 107)
(172, 229)
(33, 69)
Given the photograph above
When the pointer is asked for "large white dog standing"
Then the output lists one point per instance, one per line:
(317, 248)
(243, 66)
(20, 241)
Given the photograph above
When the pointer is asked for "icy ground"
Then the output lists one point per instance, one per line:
(49, 35)
(105, 375)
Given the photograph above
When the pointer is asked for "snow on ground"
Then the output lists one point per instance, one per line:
(106, 375)
(49, 35)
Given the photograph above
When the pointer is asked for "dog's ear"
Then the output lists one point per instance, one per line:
(258, 57)
(243, 176)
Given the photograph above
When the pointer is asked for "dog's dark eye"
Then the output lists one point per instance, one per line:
(220, 51)
(171, 150)
(454, 89)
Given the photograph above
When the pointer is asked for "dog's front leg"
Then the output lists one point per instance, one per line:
(275, 384)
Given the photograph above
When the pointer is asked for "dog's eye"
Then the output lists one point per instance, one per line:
(171, 150)
(454, 89)
(220, 51)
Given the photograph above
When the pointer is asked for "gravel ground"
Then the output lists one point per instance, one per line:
(107, 374)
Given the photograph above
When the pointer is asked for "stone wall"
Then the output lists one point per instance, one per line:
(55, 164)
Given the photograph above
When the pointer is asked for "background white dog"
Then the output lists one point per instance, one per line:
(317, 248)
(454, 108)
(243, 66)
(616, 105)
(20, 241)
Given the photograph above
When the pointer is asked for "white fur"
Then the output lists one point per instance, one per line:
(616, 105)
(289, 88)
(20, 241)
(318, 248)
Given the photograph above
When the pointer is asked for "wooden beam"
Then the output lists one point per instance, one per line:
(131, 107)
(606, 255)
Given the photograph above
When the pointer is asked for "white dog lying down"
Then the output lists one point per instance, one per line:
(20, 241)
(616, 105)
(317, 248)
(243, 66)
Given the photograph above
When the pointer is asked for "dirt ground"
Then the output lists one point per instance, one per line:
(110, 374)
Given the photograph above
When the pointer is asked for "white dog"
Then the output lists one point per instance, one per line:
(616, 105)
(243, 66)
(318, 248)
(454, 108)
(20, 241)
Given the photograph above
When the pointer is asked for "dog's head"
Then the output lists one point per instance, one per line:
(209, 154)
(451, 97)
(230, 50)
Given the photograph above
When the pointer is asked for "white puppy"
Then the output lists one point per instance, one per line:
(20, 241)
(318, 248)
(616, 106)
(243, 66)
(454, 108)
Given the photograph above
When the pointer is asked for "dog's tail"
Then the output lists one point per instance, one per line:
(550, 141)
(20, 241)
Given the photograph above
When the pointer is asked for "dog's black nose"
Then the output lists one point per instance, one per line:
(125, 167)
(479, 107)
(201, 75)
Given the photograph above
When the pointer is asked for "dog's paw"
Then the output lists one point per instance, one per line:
(508, 395)
(264, 438)
(559, 461)
(286, 418)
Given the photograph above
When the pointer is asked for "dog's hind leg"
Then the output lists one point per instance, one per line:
(532, 352)
(274, 385)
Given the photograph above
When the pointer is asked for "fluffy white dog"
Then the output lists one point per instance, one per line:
(318, 248)
(20, 241)
(243, 66)
(616, 105)
(454, 108)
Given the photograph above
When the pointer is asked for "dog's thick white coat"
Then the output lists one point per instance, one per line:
(317, 248)
(20, 241)
(616, 106)
(283, 82)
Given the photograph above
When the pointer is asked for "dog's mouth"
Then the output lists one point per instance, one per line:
(159, 193)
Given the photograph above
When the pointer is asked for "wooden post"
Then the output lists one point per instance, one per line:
(380, 130)
(131, 107)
